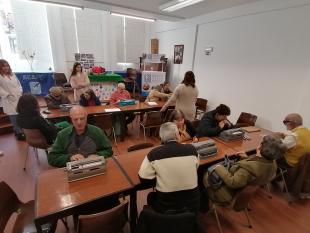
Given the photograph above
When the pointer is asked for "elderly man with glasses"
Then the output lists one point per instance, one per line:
(297, 141)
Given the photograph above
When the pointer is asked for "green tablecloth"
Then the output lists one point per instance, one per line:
(106, 77)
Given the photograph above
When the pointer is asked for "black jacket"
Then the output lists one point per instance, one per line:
(38, 122)
(209, 126)
(190, 128)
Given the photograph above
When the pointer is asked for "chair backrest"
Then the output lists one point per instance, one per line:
(168, 114)
(35, 138)
(140, 146)
(201, 104)
(154, 222)
(9, 203)
(298, 178)
(142, 98)
(246, 119)
(110, 221)
(60, 79)
(242, 199)
(152, 118)
(103, 121)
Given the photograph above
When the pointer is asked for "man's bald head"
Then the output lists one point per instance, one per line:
(77, 109)
(78, 115)
(292, 121)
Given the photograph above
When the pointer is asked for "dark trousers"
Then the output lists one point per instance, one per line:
(175, 203)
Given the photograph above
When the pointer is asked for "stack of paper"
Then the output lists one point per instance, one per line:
(112, 110)
(152, 103)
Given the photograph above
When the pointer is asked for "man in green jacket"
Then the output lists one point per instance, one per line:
(79, 141)
(253, 170)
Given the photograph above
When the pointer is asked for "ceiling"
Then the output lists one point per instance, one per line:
(149, 8)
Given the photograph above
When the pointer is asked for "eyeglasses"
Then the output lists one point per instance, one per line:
(286, 121)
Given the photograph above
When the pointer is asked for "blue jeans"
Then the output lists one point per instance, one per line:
(16, 128)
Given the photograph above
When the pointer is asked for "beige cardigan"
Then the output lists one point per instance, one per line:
(184, 98)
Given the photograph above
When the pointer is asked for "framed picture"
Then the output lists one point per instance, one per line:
(178, 54)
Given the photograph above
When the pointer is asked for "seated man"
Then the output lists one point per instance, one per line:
(156, 95)
(253, 170)
(56, 98)
(214, 122)
(297, 141)
(122, 94)
(78, 141)
(174, 166)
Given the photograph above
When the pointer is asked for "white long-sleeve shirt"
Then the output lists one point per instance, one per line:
(10, 91)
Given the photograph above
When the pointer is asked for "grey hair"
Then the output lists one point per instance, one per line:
(121, 85)
(168, 131)
(272, 147)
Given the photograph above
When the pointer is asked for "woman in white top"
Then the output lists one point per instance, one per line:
(79, 81)
(185, 96)
(10, 91)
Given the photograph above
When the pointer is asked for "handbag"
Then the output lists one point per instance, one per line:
(213, 178)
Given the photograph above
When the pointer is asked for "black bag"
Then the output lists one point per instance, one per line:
(214, 179)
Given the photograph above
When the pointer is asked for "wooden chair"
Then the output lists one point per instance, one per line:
(294, 178)
(201, 106)
(105, 122)
(110, 221)
(36, 140)
(9, 203)
(246, 119)
(61, 80)
(140, 146)
(152, 120)
(239, 203)
(168, 114)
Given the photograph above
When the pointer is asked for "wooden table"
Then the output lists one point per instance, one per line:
(255, 138)
(92, 110)
(57, 198)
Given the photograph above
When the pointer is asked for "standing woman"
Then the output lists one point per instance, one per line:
(184, 96)
(79, 81)
(10, 91)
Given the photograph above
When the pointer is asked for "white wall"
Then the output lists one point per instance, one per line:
(185, 36)
(261, 58)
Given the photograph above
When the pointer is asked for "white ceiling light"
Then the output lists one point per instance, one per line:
(177, 4)
(133, 17)
(59, 4)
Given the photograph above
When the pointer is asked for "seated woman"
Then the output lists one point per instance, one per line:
(29, 117)
(88, 98)
(258, 170)
(185, 127)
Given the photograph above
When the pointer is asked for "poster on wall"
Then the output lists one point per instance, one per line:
(36, 83)
(151, 79)
(104, 90)
(87, 60)
(178, 54)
